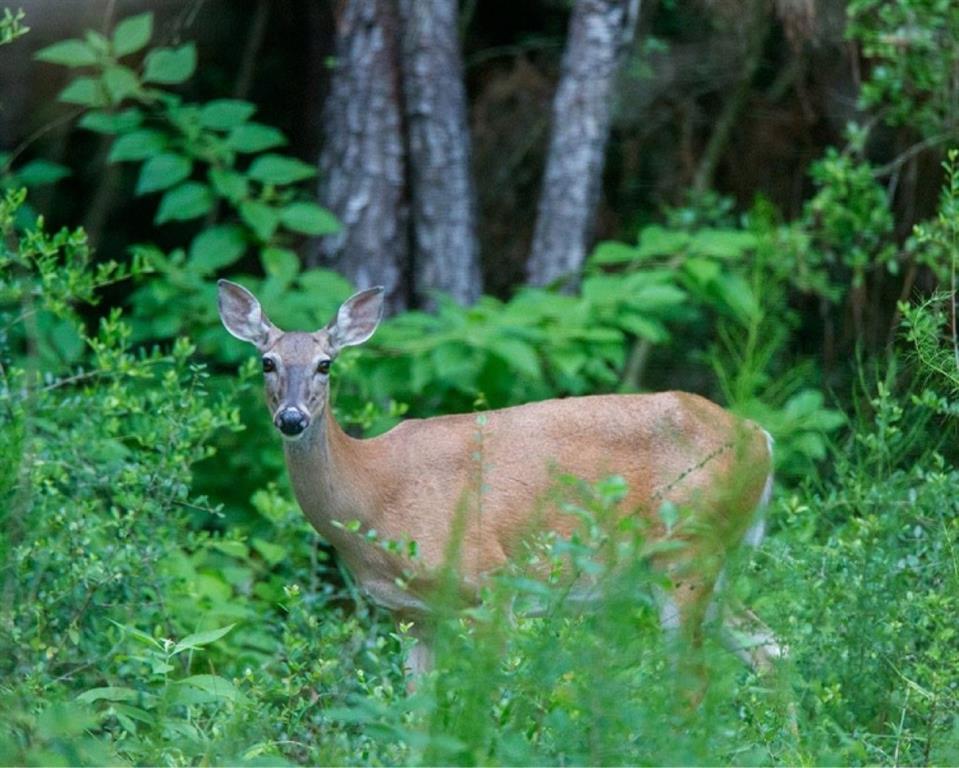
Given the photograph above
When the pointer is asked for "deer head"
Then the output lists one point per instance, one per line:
(296, 365)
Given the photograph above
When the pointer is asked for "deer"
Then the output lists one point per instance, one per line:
(409, 483)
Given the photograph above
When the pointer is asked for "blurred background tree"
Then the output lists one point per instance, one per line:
(441, 155)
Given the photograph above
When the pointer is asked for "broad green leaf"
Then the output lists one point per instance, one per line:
(216, 248)
(188, 201)
(309, 219)
(605, 289)
(110, 693)
(39, 172)
(701, 270)
(254, 137)
(132, 34)
(644, 327)
(653, 298)
(612, 252)
(213, 685)
(722, 243)
(85, 91)
(518, 355)
(120, 82)
(70, 53)
(736, 293)
(97, 42)
(280, 263)
(111, 122)
(199, 639)
(272, 553)
(235, 549)
(278, 169)
(136, 713)
(229, 184)
(224, 114)
(170, 66)
(658, 241)
(162, 172)
(262, 218)
(137, 145)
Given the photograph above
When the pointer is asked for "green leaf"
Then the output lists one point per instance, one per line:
(97, 42)
(137, 145)
(216, 248)
(70, 53)
(736, 293)
(132, 34)
(229, 184)
(278, 169)
(272, 553)
(162, 172)
(518, 355)
(110, 693)
(213, 685)
(120, 82)
(170, 66)
(199, 639)
(612, 252)
(188, 201)
(262, 218)
(39, 172)
(112, 122)
(280, 263)
(722, 243)
(309, 219)
(224, 114)
(254, 137)
(643, 327)
(85, 91)
(656, 298)
(702, 270)
(657, 241)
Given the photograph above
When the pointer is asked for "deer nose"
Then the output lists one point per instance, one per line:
(291, 421)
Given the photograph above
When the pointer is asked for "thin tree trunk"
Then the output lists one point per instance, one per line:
(446, 250)
(599, 33)
(362, 164)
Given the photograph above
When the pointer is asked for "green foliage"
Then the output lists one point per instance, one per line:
(11, 26)
(847, 223)
(913, 51)
(208, 162)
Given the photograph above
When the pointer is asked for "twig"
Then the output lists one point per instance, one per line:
(910, 153)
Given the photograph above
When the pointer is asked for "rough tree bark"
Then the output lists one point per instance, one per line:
(599, 33)
(446, 250)
(363, 163)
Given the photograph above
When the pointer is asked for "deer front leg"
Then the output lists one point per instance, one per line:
(419, 658)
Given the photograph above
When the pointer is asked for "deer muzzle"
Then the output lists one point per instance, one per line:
(291, 421)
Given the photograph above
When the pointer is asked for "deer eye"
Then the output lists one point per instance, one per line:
(323, 367)
(268, 365)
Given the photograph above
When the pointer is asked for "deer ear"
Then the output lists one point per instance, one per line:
(243, 316)
(357, 318)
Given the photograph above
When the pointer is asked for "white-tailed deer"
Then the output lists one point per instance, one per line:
(410, 483)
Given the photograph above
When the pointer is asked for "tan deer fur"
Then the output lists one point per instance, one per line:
(498, 472)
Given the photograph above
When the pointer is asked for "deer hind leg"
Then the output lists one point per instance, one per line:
(682, 612)
(743, 632)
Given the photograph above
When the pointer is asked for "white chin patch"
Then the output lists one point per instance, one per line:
(292, 438)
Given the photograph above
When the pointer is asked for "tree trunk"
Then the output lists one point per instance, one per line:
(362, 164)
(446, 251)
(599, 33)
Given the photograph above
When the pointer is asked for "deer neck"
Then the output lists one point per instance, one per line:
(326, 469)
